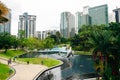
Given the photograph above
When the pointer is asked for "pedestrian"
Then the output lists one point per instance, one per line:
(8, 61)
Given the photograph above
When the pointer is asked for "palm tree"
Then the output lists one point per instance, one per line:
(3, 9)
(3, 12)
(114, 60)
(101, 43)
(58, 36)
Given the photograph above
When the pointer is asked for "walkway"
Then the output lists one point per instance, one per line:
(24, 71)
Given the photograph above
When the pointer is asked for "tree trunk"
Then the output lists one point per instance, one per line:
(5, 50)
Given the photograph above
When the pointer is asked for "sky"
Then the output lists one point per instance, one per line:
(48, 11)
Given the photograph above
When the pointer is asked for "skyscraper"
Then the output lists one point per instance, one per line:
(77, 21)
(117, 15)
(85, 9)
(26, 25)
(67, 25)
(6, 26)
(99, 15)
(81, 19)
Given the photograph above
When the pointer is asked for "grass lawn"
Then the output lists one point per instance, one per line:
(46, 61)
(4, 71)
(11, 53)
(83, 52)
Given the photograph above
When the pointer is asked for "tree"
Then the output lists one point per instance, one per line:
(5, 41)
(84, 34)
(33, 43)
(105, 43)
(106, 52)
(21, 34)
(114, 60)
(101, 42)
(55, 38)
(23, 43)
(49, 43)
(15, 42)
(114, 28)
(58, 36)
(75, 42)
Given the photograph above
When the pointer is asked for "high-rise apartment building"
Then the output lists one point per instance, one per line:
(99, 15)
(38, 34)
(44, 34)
(7, 25)
(26, 25)
(117, 15)
(67, 25)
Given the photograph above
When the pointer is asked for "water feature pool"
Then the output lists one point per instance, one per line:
(81, 67)
(74, 67)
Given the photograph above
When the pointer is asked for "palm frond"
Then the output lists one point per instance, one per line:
(3, 9)
(101, 40)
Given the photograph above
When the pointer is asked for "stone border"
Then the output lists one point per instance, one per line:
(12, 74)
(43, 71)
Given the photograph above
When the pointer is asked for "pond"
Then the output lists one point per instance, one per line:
(75, 67)
(81, 67)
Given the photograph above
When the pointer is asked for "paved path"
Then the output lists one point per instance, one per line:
(24, 71)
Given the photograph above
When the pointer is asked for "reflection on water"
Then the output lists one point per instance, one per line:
(80, 65)
(74, 67)
(52, 74)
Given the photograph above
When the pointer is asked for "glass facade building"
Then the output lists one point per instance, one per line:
(99, 15)
(67, 25)
(81, 19)
(77, 21)
(85, 20)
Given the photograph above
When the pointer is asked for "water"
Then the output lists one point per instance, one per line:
(52, 74)
(80, 65)
(74, 67)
